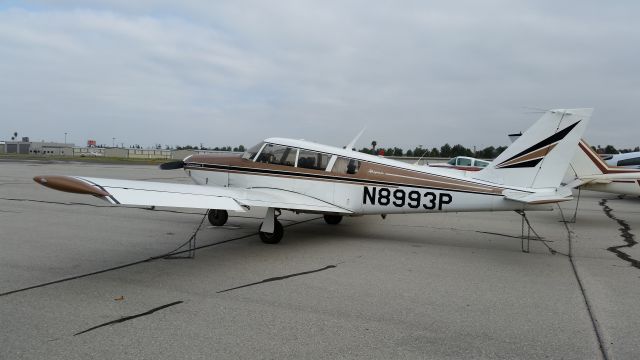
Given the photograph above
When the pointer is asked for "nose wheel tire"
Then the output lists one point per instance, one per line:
(274, 238)
(218, 217)
(333, 219)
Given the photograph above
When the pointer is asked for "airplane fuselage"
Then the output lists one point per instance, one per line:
(374, 189)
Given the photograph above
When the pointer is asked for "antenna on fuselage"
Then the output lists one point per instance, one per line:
(355, 139)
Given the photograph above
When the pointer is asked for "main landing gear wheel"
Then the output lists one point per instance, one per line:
(217, 217)
(274, 238)
(333, 219)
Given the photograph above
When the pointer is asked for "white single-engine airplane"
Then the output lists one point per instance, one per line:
(305, 177)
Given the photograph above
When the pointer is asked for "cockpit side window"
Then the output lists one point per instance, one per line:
(346, 166)
(251, 153)
(313, 160)
(277, 154)
(452, 161)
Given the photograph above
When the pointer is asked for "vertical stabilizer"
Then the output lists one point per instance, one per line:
(587, 162)
(540, 157)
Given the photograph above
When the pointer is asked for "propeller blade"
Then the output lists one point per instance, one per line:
(172, 165)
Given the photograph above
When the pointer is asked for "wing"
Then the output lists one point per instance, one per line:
(147, 193)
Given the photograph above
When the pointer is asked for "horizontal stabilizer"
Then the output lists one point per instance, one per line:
(561, 194)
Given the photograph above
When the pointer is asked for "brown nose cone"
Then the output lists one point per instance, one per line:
(69, 184)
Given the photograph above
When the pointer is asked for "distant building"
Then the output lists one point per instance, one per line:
(16, 147)
(59, 149)
(50, 149)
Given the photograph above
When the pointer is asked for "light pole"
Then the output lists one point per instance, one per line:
(113, 144)
(65, 138)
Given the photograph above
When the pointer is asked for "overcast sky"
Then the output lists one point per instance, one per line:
(230, 73)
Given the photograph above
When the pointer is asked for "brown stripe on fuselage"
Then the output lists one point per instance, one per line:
(70, 184)
(368, 172)
(530, 156)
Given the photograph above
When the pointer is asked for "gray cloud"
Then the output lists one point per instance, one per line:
(231, 73)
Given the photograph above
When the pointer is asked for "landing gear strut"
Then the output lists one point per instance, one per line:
(332, 219)
(275, 237)
(271, 229)
(217, 217)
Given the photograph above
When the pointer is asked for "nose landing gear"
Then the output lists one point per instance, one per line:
(275, 237)
(271, 229)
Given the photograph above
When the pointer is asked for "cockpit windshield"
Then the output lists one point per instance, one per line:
(278, 154)
(251, 153)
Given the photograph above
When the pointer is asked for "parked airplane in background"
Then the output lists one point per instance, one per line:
(91, 154)
(590, 172)
(628, 160)
(305, 177)
(465, 163)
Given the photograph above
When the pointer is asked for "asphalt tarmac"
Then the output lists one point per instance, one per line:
(82, 279)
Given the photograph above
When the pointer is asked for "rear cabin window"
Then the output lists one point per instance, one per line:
(480, 163)
(313, 160)
(345, 166)
(278, 155)
(629, 162)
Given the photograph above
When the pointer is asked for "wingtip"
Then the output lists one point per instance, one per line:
(69, 184)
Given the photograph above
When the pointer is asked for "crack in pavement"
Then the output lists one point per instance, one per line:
(98, 206)
(278, 278)
(625, 234)
(150, 208)
(469, 230)
(152, 258)
(587, 302)
(511, 236)
(127, 318)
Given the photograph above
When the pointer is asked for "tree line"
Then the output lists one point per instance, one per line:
(240, 148)
(445, 151)
(448, 151)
